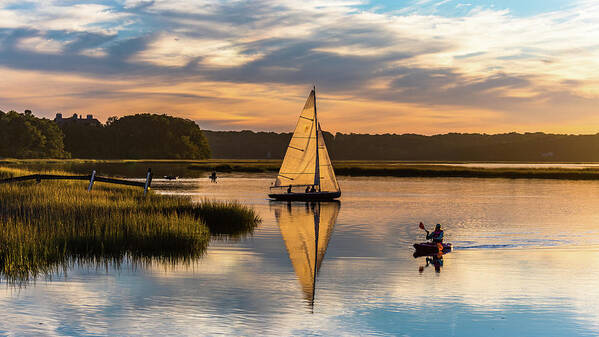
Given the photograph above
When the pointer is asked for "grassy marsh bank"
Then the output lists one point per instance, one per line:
(199, 168)
(49, 226)
(403, 169)
(439, 171)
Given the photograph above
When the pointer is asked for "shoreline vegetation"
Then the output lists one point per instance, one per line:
(160, 136)
(47, 227)
(194, 168)
(422, 170)
(480, 147)
(23, 135)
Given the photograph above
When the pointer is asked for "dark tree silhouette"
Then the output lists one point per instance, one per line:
(448, 147)
(137, 136)
(26, 136)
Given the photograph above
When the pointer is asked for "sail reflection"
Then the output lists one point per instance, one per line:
(306, 229)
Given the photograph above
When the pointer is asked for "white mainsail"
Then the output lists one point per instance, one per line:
(307, 160)
(306, 232)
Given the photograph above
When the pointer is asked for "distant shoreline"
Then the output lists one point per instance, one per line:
(564, 171)
(462, 172)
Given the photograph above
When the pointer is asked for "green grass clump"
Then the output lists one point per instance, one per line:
(52, 225)
(9, 172)
(222, 221)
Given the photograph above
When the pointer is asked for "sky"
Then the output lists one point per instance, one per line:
(414, 66)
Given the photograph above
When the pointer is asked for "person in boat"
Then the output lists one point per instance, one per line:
(436, 236)
(313, 189)
(289, 189)
(213, 177)
(307, 189)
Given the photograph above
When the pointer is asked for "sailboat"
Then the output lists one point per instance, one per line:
(306, 232)
(306, 172)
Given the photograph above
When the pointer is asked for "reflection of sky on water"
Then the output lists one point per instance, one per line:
(542, 284)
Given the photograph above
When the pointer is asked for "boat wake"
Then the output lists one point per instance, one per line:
(489, 246)
(548, 243)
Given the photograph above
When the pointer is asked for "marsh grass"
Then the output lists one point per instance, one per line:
(385, 168)
(405, 169)
(235, 166)
(432, 171)
(49, 226)
(224, 223)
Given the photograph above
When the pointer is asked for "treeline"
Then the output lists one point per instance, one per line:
(141, 136)
(26, 136)
(138, 136)
(247, 144)
(447, 147)
(151, 136)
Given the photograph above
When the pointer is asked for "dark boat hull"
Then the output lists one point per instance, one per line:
(427, 248)
(314, 196)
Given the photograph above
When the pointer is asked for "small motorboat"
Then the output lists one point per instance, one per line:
(430, 248)
(171, 177)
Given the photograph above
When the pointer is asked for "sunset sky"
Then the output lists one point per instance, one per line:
(420, 66)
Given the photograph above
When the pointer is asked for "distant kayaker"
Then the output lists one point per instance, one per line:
(213, 177)
(436, 236)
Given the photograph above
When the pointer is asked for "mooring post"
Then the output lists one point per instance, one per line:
(148, 181)
(91, 180)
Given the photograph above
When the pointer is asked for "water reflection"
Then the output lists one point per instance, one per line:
(306, 229)
(435, 260)
(524, 258)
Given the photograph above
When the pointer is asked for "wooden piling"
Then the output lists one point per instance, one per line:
(91, 180)
(148, 181)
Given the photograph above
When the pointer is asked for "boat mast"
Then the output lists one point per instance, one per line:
(317, 169)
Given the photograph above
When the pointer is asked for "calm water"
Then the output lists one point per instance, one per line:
(524, 265)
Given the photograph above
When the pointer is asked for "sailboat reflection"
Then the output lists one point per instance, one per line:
(306, 229)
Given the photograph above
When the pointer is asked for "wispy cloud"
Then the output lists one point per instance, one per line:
(514, 67)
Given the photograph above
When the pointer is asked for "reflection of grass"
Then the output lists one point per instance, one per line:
(48, 226)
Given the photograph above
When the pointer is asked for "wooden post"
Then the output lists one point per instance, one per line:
(91, 180)
(148, 181)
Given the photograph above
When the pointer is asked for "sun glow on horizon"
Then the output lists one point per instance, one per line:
(428, 67)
